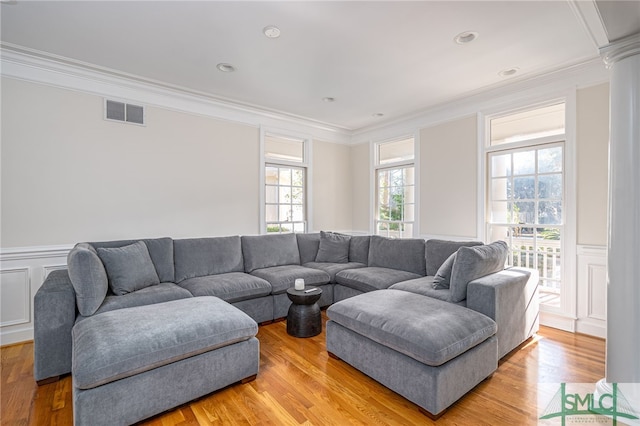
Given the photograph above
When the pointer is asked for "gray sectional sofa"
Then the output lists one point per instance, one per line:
(108, 284)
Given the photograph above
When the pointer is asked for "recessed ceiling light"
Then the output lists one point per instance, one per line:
(271, 31)
(465, 37)
(329, 99)
(225, 67)
(507, 72)
(378, 115)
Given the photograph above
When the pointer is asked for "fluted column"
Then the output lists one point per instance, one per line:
(623, 265)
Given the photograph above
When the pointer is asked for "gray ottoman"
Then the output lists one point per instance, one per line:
(429, 351)
(130, 364)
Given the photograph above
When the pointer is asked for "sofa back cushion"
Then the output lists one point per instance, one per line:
(265, 251)
(308, 245)
(437, 251)
(475, 262)
(405, 254)
(199, 257)
(334, 248)
(359, 249)
(129, 268)
(88, 277)
(160, 250)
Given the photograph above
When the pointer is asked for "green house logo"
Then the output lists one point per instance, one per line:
(611, 406)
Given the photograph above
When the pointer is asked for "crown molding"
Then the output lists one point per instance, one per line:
(620, 49)
(40, 67)
(527, 89)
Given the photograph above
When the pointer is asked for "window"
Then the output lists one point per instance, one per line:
(285, 184)
(395, 189)
(525, 203)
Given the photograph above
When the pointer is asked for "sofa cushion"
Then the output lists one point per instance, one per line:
(437, 251)
(372, 278)
(359, 249)
(231, 287)
(423, 286)
(265, 251)
(428, 330)
(129, 268)
(475, 262)
(126, 342)
(88, 277)
(283, 277)
(442, 278)
(333, 268)
(163, 292)
(160, 250)
(308, 245)
(200, 257)
(334, 248)
(403, 254)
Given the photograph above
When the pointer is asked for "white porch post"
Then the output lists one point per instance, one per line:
(623, 264)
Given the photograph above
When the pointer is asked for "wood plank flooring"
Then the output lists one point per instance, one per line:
(298, 384)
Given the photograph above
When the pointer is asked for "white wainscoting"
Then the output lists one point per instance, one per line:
(592, 291)
(22, 272)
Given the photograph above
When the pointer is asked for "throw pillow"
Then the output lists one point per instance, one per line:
(129, 268)
(475, 262)
(88, 278)
(443, 276)
(334, 248)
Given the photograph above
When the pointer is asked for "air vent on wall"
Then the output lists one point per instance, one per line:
(120, 111)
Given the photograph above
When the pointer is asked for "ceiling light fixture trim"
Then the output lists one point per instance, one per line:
(224, 67)
(466, 37)
(271, 31)
(508, 72)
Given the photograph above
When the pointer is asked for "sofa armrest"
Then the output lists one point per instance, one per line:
(54, 317)
(510, 298)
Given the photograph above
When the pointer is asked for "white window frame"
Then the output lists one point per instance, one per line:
(564, 316)
(305, 164)
(376, 166)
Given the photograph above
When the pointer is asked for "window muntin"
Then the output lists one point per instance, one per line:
(395, 188)
(395, 207)
(285, 209)
(285, 178)
(526, 210)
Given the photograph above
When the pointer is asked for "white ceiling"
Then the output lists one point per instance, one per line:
(392, 57)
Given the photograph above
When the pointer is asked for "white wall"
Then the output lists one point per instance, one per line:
(448, 179)
(361, 175)
(68, 175)
(592, 135)
(332, 207)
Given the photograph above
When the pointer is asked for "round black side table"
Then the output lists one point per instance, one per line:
(303, 319)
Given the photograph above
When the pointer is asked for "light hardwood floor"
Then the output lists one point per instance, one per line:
(299, 384)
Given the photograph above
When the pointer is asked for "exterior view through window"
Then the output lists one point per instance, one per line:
(285, 184)
(395, 188)
(525, 165)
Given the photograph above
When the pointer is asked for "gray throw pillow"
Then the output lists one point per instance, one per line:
(334, 248)
(475, 262)
(88, 278)
(443, 276)
(129, 268)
